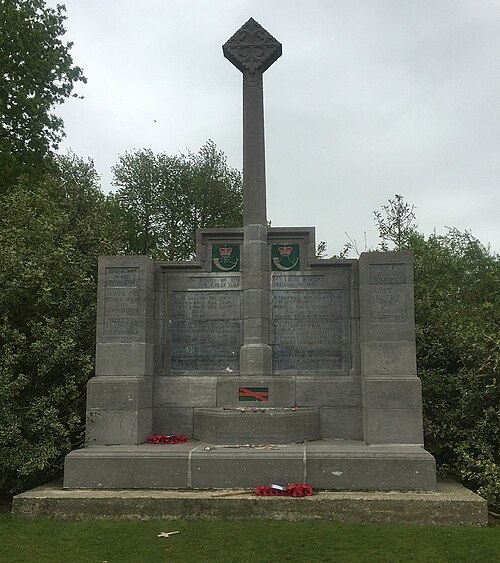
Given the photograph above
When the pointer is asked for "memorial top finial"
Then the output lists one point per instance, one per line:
(252, 49)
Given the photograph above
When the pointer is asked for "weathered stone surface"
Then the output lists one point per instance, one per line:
(328, 391)
(147, 466)
(124, 358)
(211, 469)
(255, 330)
(109, 427)
(370, 467)
(344, 423)
(186, 391)
(256, 359)
(392, 393)
(389, 358)
(262, 426)
(119, 393)
(324, 464)
(173, 420)
(393, 426)
(451, 504)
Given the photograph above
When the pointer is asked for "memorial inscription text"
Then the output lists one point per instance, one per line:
(121, 302)
(205, 328)
(309, 325)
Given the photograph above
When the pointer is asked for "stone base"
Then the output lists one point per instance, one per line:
(323, 464)
(256, 425)
(450, 504)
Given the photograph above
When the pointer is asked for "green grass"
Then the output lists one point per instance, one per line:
(265, 541)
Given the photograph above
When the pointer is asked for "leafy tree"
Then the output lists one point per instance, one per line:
(169, 197)
(457, 307)
(49, 243)
(395, 222)
(37, 74)
(321, 249)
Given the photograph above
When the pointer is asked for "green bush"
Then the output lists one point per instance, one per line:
(457, 308)
(50, 238)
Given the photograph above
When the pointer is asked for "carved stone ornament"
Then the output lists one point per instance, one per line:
(252, 49)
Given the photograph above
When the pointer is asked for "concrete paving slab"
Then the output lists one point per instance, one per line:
(450, 504)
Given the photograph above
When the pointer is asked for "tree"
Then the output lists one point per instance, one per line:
(396, 222)
(49, 243)
(457, 309)
(37, 74)
(169, 197)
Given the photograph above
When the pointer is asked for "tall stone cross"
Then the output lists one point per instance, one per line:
(253, 50)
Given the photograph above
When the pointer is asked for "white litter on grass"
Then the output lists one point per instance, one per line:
(167, 534)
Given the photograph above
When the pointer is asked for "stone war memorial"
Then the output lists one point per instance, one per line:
(278, 366)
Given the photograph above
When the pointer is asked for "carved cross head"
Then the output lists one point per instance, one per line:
(252, 49)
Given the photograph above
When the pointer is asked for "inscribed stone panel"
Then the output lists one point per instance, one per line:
(122, 327)
(204, 305)
(298, 282)
(204, 325)
(305, 358)
(121, 302)
(387, 273)
(205, 357)
(210, 331)
(122, 277)
(388, 304)
(309, 324)
(308, 304)
(214, 282)
(307, 331)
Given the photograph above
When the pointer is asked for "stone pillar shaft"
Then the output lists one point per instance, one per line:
(253, 50)
(254, 168)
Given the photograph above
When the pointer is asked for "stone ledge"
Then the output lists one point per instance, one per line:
(450, 504)
(258, 425)
(328, 464)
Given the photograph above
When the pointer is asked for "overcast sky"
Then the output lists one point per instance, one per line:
(370, 98)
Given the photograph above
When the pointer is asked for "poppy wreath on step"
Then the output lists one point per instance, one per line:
(162, 439)
(289, 491)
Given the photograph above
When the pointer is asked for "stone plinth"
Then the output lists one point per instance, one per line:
(325, 464)
(256, 426)
(451, 504)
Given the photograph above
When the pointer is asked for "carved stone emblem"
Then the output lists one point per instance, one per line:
(252, 49)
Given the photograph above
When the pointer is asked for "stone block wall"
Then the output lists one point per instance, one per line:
(342, 334)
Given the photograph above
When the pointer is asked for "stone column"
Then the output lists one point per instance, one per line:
(120, 396)
(253, 50)
(391, 390)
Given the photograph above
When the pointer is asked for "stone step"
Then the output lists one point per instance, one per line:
(323, 464)
(257, 425)
(450, 504)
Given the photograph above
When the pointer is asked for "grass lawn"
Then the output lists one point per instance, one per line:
(136, 541)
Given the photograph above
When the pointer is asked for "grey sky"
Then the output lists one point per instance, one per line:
(370, 98)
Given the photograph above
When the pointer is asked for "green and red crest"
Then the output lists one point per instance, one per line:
(285, 257)
(253, 394)
(225, 258)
